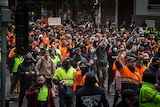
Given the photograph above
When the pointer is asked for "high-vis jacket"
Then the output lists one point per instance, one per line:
(79, 80)
(61, 74)
(129, 79)
(128, 76)
(149, 96)
(17, 61)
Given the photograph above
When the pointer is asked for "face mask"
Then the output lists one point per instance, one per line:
(92, 51)
(81, 68)
(145, 62)
(139, 64)
(66, 65)
(115, 50)
(78, 53)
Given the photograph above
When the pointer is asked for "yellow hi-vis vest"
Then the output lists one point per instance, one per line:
(43, 94)
(61, 74)
(55, 59)
(17, 61)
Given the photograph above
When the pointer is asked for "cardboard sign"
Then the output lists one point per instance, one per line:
(54, 21)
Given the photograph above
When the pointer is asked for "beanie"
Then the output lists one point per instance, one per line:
(149, 77)
(90, 79)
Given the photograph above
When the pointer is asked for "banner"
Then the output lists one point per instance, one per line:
(54, 21)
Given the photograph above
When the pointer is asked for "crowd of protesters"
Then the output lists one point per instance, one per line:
(64, 54)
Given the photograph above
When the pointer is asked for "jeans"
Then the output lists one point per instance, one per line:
(65, 101)
(14, 81)
(103, 76)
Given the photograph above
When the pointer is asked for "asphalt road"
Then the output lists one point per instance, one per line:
(14, 103)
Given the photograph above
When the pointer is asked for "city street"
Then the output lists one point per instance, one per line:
(76, 43)
(15, 102)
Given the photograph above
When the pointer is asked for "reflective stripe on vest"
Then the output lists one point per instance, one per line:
(68, 76)
(129, 79)
(147, 101)
(17, 61)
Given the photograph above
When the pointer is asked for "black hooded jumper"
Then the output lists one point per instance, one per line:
(91, 95)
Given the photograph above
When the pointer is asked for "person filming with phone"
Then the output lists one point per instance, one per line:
(39, 94)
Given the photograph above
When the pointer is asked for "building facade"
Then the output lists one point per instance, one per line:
(139, 11)
(147, 11)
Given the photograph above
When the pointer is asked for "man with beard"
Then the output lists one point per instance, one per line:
(64, 78)
(26, 71)
(139, 66)
(130, 78)
(39, 94)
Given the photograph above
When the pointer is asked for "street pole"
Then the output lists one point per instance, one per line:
(21, 30)
(62, 12)
(6, 17)
(99, 15)
(116, 13)
(3, 65)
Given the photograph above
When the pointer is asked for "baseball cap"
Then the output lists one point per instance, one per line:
(141, 48)
(130, 58)
(146, 56)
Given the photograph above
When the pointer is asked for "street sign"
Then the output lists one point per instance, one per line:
(54, 21)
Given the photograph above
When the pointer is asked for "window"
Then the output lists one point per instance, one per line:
(154, 2)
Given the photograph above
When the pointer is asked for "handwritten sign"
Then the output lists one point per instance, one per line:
(54, 21)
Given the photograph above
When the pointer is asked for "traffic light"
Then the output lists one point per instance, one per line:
(21, 30)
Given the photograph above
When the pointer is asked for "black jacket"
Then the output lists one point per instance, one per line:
(93, 96)
(156, 72)
(122, 104)
(22, 69)
(102, 56)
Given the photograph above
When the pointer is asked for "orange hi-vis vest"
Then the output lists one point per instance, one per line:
(78, 79)
(11, 53)
(128, 76)
(140, 70)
